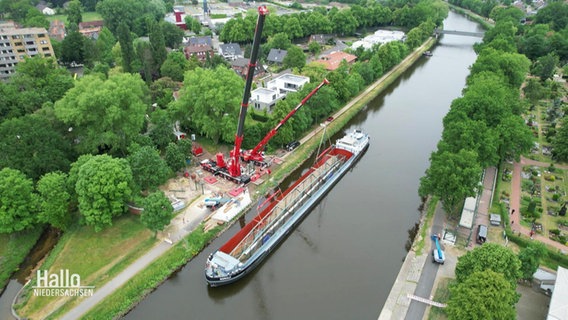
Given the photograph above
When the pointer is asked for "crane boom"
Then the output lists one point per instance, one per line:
(234, 165)
(254, 154)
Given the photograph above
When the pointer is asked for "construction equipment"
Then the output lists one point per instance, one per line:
(255, 155)
(232, 170)
(438, 255)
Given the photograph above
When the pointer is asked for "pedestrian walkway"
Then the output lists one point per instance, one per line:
(515, 203)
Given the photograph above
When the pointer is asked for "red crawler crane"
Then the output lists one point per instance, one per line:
(255, 155)
(234, 165)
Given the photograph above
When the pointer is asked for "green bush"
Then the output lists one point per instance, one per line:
(555, 232)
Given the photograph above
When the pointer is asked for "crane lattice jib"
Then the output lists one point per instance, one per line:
(260, 146)
(235, 167)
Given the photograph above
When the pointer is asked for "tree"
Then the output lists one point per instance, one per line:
(149, 170)
(18, 202)
(37, 81)
(175, 158)
(104, 186)
(158, 46)
(32, 145)
(105, 43)
(34, 18)
(279, 41)
(104, 115)
(54, 200)
(295, 58)
(161, 129)
(173, 35)
(158, 212)
(175, 66)
(544, 67)
(530, 257)
(116, 12)
(344, 23)
(490, 256)
(73, 48)
(534, 90)
(126, 47)
(314, 47)
(209, 102)
(452, 177)
(483, 295)
(513, 66)
(74, 13)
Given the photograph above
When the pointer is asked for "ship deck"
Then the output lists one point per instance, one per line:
(280, 211)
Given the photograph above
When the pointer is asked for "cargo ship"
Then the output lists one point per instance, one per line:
(252, 244)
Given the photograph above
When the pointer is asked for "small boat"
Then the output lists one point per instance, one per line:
(252, 244)
(427, 54)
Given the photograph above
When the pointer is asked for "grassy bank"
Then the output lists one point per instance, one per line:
(419, 245)
(125, 298)
(96, 263)
(13, 250)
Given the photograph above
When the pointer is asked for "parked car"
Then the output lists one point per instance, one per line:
(292, 145)
(330, 119)
(481, 234)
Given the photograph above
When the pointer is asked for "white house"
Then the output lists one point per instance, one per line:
(379, 37)
(276, 89)
(288, 83)
(265, 99)
(45, 9)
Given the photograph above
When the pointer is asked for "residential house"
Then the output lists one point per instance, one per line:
(288, 83)
(276, 90)
(276, 56)
(240, 66)
(265, 99)
(91, 29)
(205, 40)
(43, 8)
(201, 51)
(230, 51)
(322, 39)
(57, 30)
(18, 43)
(333, 60)
(379, 37)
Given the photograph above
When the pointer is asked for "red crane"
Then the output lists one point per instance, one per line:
(255, 154)
(234, 165)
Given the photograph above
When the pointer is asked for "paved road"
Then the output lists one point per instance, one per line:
(429, 271)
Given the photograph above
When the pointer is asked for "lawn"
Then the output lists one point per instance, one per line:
(95, 257)
(87, 16)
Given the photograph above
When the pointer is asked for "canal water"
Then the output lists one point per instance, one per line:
(342, 260)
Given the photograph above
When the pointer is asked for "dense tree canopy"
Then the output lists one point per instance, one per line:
(530, 257)
(149, 170)
(451, 176)
(484, 295)
(18, 202)
(32, 145)
(104, 185)
(490, 256)
(209, 102)
(158, 212)
(105, 115)
(54, 200)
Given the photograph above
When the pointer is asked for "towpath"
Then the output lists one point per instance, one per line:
(181, 226)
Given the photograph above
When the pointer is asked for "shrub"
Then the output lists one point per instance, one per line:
(549, 177)
(556, 197)
(555, 232)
